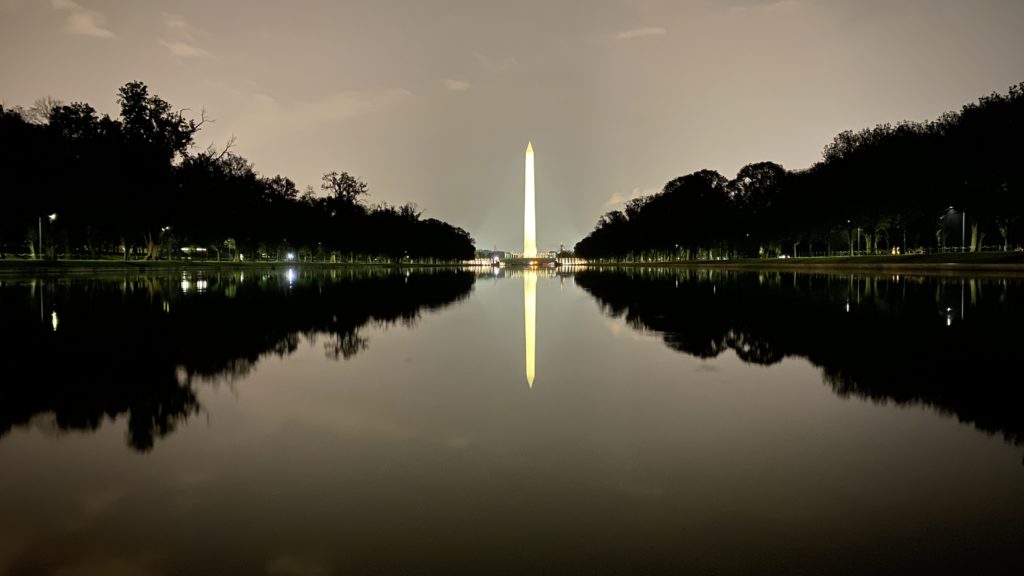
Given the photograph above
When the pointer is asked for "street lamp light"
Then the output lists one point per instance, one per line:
(52, 217)
(963, 229)
(850, 227)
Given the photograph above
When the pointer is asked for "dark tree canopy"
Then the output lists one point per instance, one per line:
(908, 186)
(344, 187)
(132, 185)
(149, 124)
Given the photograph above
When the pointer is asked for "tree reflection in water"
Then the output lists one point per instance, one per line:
(947, 343)
(136, 344)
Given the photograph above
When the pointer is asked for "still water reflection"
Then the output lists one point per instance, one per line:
(133, 346)
(303, 422)
(952, 344)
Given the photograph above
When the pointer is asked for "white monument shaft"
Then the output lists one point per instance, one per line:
(529, 212)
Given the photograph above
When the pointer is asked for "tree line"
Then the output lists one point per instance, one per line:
(950, 183)
(80, 184)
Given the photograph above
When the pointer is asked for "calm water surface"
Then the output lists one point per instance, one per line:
(646, 422)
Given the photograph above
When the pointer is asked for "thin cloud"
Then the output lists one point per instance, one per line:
(619, 199)
(263, 121)
(183, 43)
(81, 20)
(185, 50)
(328, 109)
(456, 85)
(349, 104)
(178, 25)
(175, 22)
(771, 6)
(640, 33)
(495, 65)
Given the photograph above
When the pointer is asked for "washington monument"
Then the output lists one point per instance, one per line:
(529, 277)
(529, 211)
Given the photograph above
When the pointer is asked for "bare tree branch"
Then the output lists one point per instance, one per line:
(41, 109)
(227, 147)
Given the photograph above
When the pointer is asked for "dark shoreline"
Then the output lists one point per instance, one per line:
(990, 264)
(12, 267)
(997, 263)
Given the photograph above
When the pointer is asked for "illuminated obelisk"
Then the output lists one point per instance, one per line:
(530, 277)
(529, 212)
(530, 328)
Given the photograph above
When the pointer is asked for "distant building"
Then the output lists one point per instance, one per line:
(492, 254)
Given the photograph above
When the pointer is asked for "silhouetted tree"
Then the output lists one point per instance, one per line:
(893, 184)
(755, 194)
(134, 181)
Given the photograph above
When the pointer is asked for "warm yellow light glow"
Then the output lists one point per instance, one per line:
(53, 320)
(530, 313)
(529, 212)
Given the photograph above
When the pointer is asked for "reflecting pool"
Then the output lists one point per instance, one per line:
(309, 421)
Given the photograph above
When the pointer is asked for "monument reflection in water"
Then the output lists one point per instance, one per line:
(530, 323)
(293, 421)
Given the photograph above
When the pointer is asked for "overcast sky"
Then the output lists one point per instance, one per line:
(433, 101)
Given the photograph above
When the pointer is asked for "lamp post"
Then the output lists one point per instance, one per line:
(963, 230)
(52, 217)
